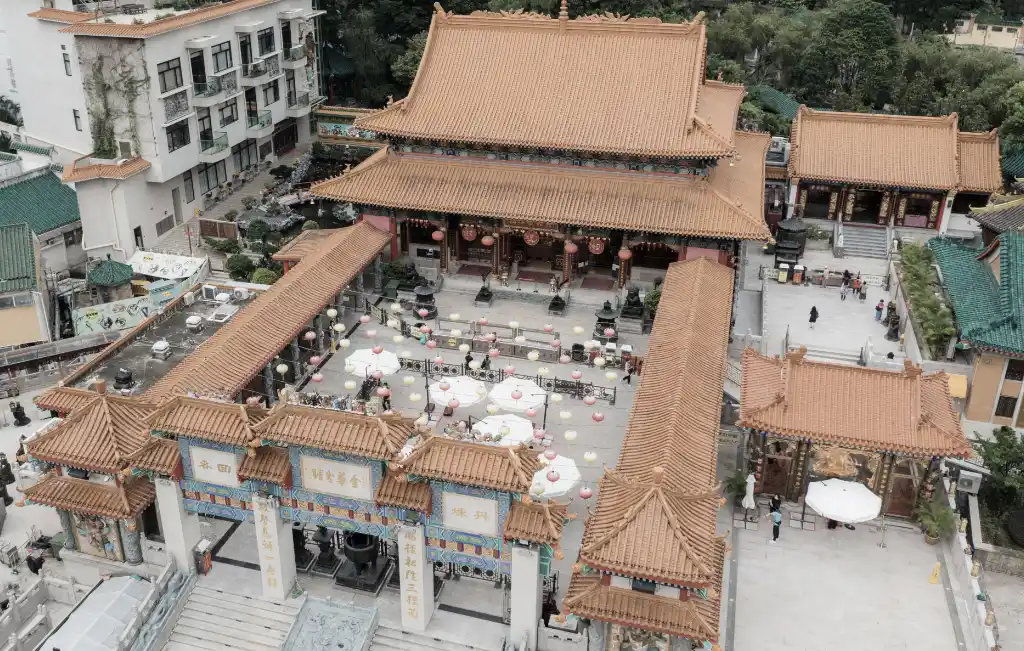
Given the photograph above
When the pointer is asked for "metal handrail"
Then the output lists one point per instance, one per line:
(298, 99)
(254, 69)
(261, 120)
(295, 53)
(216, 144)
(207, 88)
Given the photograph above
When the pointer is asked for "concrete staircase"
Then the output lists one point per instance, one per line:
(833, 355)
(865, 242)
(387, 638)
(214, 620)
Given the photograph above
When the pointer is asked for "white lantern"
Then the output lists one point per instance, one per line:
(556, 398)
(492, 409)
(422, 420)
(394, 323)
(590, 457)
(537, 490)
(521, 339)
(282, 369)
(332, 313)
(463, 348)
(339, 328)
(543, 370)
(513, 324)
(456, 332)
(475, 365)
(350, 368)
(565, 415)
(454, 316)
(415, 397)
(570, 435)
(578, 330)
(350, 385)
(599, 362)
(396, 307)
(398, 339)
(533, 356)
(344, 343)
(408, 379)
(611, 375)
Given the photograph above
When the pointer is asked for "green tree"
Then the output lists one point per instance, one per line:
(264, 276)
(1003, 454)
(239, 267)
(1012, 129)
(5, 143)
(310, 225)
(407, 63)
(257, 230)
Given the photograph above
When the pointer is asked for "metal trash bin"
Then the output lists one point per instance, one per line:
(798, 274)
(784, 272)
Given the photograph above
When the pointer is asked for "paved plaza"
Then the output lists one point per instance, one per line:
(1007, 594)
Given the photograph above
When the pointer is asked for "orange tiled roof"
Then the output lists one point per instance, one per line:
(624, 86)
(908, 413)
(307, 242)
(223, 422)
(64, 399)
(694, 618)
(60, 15)
(118, 171)
(980, 169)
(240, 349)
(376, 437)
(83, 496)
(891, 151)
(497, 467)
(267, 463)
(537, 522)
(776, 173)
(396, 490)
(100, 436)
(159, 455)
(157, 27)
(729, 204)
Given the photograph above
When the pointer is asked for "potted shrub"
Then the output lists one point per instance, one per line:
(250, 202)
(736, 486)
(937, 519)
(239, 267)
(231, 215)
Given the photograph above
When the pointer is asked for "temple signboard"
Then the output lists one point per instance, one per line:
(477, 515)
(336, 477)
(214, 466)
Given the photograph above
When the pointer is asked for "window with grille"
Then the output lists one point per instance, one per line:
(221, 56)
(170, 75)
(1005, 406)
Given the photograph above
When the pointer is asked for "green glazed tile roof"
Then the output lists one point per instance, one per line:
(1013, 161)
(42, 202)
(110, 273)
(777, 101)
(32, 149)
(9, 157)
(17, 259)
(990, 313)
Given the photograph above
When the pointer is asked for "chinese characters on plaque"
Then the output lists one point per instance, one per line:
(266, 538)
(214, 466)
(470, 514)
(416, 575)
(336, 478)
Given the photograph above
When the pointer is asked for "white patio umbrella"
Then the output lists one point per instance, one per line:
(505, 394)
(849, 502)
(462, 388)
(366, 362)
(519, 430)
(568, 476)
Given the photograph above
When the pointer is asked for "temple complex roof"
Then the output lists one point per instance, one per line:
(113, 500)
(375, 437)
(267, 463)
(221, 422)
(307, 242)
(159, 455)
(599, 84)
(728, 203)
(486, 466)
(539, 522)
(396, 489)
(908, 412)
(64, 399)
(892, 151)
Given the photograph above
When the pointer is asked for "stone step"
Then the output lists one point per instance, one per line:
(387, 638)
(212, 642)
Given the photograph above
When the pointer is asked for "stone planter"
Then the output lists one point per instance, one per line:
(931, 540)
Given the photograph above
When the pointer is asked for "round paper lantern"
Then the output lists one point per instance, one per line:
(443, 386)
(377, 350)
(487, 240)
(517, 394)
(480, 391)
(364, 319)
(564, 359)
(482, 320)
(396, 307)
(475, 365)
(586, 493)
(599, 362)
(377, 375)
(431, 344)
(398, 339)
(453, 403)
(339, 327)
(463, 348)
(383, 392)
(589, 400)
(571, 248)
(539, 434)
(456, 333)
(344, 343)
(596, 246)
(570, 435)
(408, 379)
(556, 398)
(609, 332)
(332, 313)
(588, 344)
(611, 375)
(468, 233)
(590, 457)
(282, 369)
(492, 409)
(423, 312)
(315, 359)
(533, 356)
(537, 490)
(454, 316)
(565, 415)
(491, 337)
(597, 416)
(543, 370)
(252, 401)
(350, 368)
(513, 324)
(531, 412)
(309, 336)
(425, 329)
(576, 375)
(553, 476)
(556, 343)
(439, 360)
(415, 397)
(494, 352)
(520, 339)
(578, 330)
(317, 377)
(531, 238)
(509, 370)
(349, 385)
(393, 323)
(437, 236)
(504, 430)
(625, 254)
(550, 454)
(370, 334)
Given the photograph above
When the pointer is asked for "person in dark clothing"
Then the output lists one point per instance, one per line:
(469, 358)
(776, 503)
(486, 364)
(385, 402)
(776, 517)
(628, 377)
(814, 316)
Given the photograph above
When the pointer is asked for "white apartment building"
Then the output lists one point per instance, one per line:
(150, 110)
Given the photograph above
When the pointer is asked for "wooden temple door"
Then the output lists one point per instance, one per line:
(903, 487)
(780, 457)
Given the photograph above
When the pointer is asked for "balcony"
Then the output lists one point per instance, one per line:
(213, 149)
(295, 57)
(298, 105)
(259, 124)
(255, 73)
(213, 90)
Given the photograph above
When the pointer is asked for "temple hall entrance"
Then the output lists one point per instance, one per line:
(867, 205)
(818, 203)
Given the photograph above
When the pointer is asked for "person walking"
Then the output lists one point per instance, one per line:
(776, 503)
(628, 377)
(844, 290)
(776, 517)
(814, 316)
(857, 282)
(878, 310)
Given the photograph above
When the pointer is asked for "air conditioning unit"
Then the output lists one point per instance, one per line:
(241, 293)
(190, 298)
(969, 482)
(209, 293)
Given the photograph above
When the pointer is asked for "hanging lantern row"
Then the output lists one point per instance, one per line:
(422, 223)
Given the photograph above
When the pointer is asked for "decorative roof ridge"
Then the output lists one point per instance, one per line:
(983, 136)
(601, 22)
(164, 25)
(709, 130)
(851, 116)
(996, 207)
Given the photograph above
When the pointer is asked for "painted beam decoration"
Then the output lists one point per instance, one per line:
(214, 466)
(470, 514)
(336, 478)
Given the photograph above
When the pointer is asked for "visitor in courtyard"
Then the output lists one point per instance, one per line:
(844, 290)
(857, 283)
(628, 377)
(486, 364)
(878, 310)
(776, 503)
(776, 517)
(814, 316)
(469, 359)
(385, 402)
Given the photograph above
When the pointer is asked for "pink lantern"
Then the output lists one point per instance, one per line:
(437, 236)
(431, 344)
(589, 400)
(377, 375)
(571, 248)
(487, 240)
(564, 359)
(550, 454)
(309, 336)
(509, 370)
(531, 412)
(598, 417)
(315, 359)
(383, 392)
(517, 394)
(609, 332)
(539, 434)
(494, 352)
(482, 321)
(453, 403)
(423, 312)
(553, 476)
(439, 360)
(625, 254)
(556, 343)
(425, 329)
(364, 319)
(317, 377)
(586, 493)
(576, 375)
(377, 350)
(491, 337)
(444, 386)
(549, 328)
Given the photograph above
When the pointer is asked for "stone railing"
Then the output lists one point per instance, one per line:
(174, 589)
(26, 623)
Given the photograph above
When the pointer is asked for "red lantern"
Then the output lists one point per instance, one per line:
(437, 236)
(431, 344)
(377, 350)
(550, 454)
(468, 233)
(625, 254)
(598, 417)
(309, 336)
(586, 493)
(596, 246)
(383, 392)
(589, 400)
(577, 375)
(571, 248)
(315, 360)
(531, 412)
(487, 240)
(378, 375)
(494, 352)
(564, 359)
(453, 403)
(553, 476)
(423, 312)
(539, 434)
(556, 343)
(317, 377)
(517, 394)
(531, 238)
(364, 319)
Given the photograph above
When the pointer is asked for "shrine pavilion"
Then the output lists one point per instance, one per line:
(587, 147)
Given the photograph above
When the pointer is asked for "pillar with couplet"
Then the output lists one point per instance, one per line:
(67, 524)
(131, 540)
(179, 527)
(275, 547)
(794, 188)
(417, 578)
(527, 593)
(268, 383)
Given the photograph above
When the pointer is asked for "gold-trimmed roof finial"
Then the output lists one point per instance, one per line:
(563, 11)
